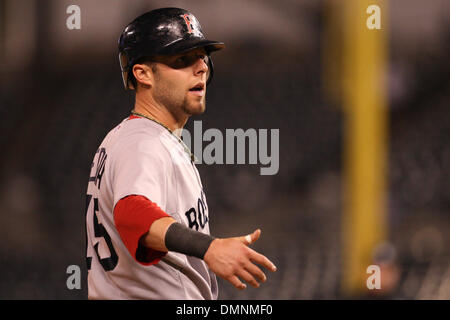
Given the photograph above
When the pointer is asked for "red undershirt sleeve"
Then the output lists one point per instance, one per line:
(133, 216)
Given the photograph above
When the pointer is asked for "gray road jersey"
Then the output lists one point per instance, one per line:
(140, 157)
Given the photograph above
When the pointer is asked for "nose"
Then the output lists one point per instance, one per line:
(200, 66)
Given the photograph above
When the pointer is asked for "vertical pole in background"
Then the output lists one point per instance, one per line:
(355, 66)
(365, 138)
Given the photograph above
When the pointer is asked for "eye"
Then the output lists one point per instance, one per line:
(204, 57)
(187, 60)
(181, 60)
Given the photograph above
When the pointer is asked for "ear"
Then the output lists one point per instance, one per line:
(143, 75)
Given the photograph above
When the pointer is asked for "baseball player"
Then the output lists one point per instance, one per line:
(147, 219)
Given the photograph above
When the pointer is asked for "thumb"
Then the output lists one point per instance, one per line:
(251, 238)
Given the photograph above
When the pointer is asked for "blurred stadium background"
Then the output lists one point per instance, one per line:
(61, 92)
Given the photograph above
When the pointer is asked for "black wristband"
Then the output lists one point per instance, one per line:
(182, 239)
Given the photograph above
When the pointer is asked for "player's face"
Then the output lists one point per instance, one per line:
(180, 82)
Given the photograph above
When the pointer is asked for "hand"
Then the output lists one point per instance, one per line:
(232, 260)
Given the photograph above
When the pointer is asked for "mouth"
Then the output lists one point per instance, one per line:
(198, 89)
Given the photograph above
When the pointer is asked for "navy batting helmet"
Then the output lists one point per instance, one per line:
(163, 31)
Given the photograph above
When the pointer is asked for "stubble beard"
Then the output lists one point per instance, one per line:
(182, 106)
(193, 108)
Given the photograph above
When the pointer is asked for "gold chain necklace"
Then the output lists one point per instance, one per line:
(185, 147)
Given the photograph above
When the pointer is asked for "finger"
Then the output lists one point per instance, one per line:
(255, 235)
(262, 260)
(247, 277)
(250, 238)
(256, 272)
(236, 282)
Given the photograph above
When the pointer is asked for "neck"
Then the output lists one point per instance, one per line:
(149, 108)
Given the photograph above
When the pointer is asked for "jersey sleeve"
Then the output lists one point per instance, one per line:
(141, 167)
(133, 217)
(139, 177)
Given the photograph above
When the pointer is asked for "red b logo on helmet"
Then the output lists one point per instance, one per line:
(188, 22)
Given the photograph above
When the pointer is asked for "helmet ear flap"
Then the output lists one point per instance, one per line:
(125, 69)
(211, 70)
(123, 61)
